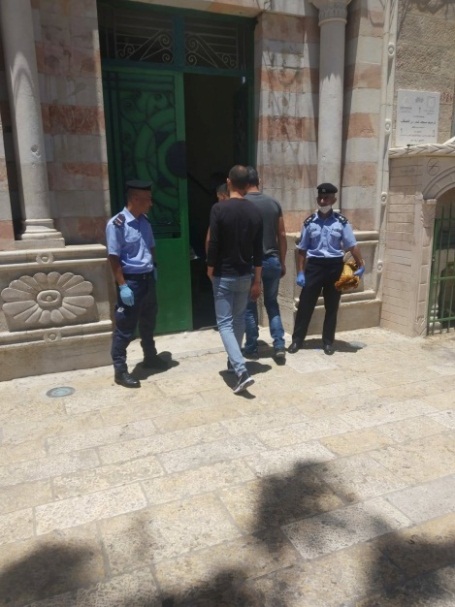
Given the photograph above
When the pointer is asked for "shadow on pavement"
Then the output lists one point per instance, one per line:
(408, 571)
(46, 571)
(140, 372)
(339, 345)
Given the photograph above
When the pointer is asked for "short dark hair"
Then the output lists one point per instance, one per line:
(222, 189)
(253, 177)
(238, 176)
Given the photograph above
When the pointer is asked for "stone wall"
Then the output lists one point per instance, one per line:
(69, 67)
(362, 109)
(426, 54)
(287, 90)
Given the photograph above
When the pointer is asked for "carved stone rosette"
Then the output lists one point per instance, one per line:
(48, 300)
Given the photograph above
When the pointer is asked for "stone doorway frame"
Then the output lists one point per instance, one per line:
(419, 176)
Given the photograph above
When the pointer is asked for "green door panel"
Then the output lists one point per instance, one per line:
(145, 136)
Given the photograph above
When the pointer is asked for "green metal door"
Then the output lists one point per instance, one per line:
(145, 137)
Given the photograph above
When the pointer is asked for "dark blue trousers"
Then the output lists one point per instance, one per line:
(320, 275)
(141, 315)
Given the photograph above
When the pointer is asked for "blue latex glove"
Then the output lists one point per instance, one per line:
(360, 272)
(126, 295)
(300, 281)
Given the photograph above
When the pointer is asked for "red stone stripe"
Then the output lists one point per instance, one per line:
(64, 119)
(287, 128)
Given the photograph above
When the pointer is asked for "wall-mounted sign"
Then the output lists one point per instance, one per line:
(417, 118)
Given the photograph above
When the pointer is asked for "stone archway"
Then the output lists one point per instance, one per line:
(419, 175)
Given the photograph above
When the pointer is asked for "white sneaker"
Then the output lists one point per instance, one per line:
(244, 382)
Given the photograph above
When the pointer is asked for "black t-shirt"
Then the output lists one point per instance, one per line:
(235, 244)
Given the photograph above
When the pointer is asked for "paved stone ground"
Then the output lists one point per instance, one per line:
(330, 483)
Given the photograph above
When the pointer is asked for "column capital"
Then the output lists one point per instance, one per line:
(332, 10)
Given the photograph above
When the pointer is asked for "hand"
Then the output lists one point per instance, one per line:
(255, 291)
(155, 273)
(283, 270)
(300, 281)
(126, 295)
(360, 272)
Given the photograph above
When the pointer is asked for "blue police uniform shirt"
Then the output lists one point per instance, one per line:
(131, 240)
(326, 236)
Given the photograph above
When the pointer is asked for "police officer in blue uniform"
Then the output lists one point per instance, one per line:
(326, 235)
(131, 250)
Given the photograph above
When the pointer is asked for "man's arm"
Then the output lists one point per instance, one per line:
(282, 244)
(207, 240)
(255, 290)
(212, 242)
(116, 268)
(355, 252)
(301, 260)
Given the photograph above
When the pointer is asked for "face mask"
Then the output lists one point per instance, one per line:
(325, 210)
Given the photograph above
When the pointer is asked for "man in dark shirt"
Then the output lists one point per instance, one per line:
(273, 269)
(234, 249)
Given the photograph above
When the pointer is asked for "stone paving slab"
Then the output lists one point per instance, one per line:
(330, 483)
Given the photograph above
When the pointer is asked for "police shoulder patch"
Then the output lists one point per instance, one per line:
(119, 220)
(309, 219)
(341, 218)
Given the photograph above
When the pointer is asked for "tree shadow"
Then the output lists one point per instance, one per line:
(424, 567)
(409, 570)
(226, 589)
(46, 571)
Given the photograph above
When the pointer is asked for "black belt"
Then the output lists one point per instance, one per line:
(137, 276)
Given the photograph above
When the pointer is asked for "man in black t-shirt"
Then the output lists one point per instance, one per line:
(234, 251)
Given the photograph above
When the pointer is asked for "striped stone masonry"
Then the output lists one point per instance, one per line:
(69, 66)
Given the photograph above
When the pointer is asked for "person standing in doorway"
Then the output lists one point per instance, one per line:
(274, 247)
(131, 251)
(234, 249)
(325, 237)
(221, 195)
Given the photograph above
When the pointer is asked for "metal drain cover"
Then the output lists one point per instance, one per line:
(60, 391)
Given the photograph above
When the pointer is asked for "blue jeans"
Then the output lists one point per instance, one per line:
(271, 274)
(231, 297)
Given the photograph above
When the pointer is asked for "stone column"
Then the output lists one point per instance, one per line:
(24, 100)
(332, 22)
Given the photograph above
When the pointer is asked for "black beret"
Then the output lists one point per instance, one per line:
(138, 184)
(327, 188)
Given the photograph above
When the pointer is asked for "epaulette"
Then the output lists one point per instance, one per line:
(309, 219)
(119, 220)
(341, 218)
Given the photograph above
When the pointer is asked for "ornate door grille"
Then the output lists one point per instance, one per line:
(180, 40)
(441, 309)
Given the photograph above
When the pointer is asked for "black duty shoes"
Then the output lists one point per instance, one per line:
(244, 381)
(123, 378)
(294, 347)
(328, 349)
(155, 362)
